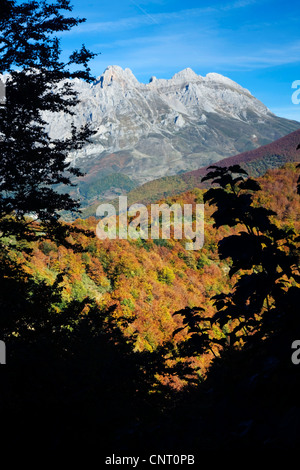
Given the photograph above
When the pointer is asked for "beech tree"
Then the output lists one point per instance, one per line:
(265, 257)
(32, 164)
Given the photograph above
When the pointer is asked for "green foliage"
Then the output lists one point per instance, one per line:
(202, 261)
(129, 303)
(46, 247)
(93, 189)
(163, 242)
(166, 275)
(92, 247)
(188, 258)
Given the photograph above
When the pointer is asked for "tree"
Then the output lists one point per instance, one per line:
(32, 164)
(265, 260)
(263, 256)
(76, 352)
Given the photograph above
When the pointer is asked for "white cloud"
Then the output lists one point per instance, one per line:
(205, 49)
(146, 18)
(193, 37)
(237, 4)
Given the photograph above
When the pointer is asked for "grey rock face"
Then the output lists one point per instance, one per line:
(165, 127)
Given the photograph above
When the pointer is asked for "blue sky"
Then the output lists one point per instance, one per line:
(254, 42)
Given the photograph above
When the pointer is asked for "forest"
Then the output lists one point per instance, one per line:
(136, 345)
(161, 321)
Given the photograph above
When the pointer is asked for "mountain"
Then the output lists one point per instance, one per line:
(256, 162)
(164, 127)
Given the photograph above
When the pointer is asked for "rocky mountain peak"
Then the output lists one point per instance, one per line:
(186, 75)
(165, 127)
(220, 79)
(115, 74)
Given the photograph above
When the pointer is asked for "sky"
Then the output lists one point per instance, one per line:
(254, 42)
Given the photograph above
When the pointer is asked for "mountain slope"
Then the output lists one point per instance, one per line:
(165, 127)
(256, 162)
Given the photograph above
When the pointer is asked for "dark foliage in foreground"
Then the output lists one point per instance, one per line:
(32, 163)
(73, 381)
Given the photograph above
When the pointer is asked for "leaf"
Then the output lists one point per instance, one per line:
(250, 184)
(237, 169)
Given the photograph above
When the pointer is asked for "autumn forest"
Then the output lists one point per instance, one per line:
(140, 345)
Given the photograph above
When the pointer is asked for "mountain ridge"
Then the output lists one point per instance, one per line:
(165, 127)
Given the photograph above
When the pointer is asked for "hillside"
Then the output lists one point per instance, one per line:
(161, 128)
(255, 162)
(71, 307)
(150, 279)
